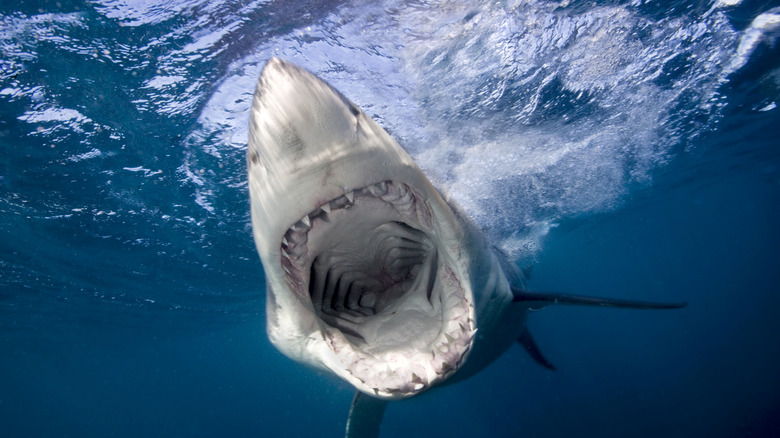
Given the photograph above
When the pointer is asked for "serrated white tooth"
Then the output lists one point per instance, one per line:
(350, 196)
(284, 241)
(442, 366)
(326, 207)
(302, 225)
(455, 336)
(449, 338)
(378, 189)
(452, 327)
(296, 238)
(339, 203)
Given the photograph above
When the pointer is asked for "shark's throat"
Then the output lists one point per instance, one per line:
(378, 279)
(352, 282)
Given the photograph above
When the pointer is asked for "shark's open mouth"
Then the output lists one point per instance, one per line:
(381, 283)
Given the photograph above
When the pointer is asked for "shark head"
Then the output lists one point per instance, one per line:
(367, 267)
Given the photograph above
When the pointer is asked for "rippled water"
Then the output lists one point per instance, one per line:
(614, 148)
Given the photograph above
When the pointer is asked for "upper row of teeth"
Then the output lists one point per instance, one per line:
(398, 194)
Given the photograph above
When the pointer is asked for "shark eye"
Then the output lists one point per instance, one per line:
(353, 109)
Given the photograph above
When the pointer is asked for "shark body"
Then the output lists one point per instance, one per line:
(372, 275)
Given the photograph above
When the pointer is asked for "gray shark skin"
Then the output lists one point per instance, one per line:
(372, 275)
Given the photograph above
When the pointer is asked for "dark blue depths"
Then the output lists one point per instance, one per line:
(132, 300)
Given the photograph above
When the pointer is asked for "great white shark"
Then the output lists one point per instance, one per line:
(373, 275)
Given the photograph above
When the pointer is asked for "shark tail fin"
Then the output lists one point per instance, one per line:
(365, 416)
(527, 341)
(534, 299)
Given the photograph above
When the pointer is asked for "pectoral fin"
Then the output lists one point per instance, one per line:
(527, 341)
(536, 299)
(365, 416)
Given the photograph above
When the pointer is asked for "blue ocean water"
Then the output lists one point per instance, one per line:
(626, 149)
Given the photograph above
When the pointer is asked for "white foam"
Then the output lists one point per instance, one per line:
(765, 27)
(525, 114)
